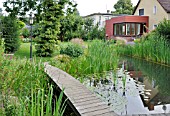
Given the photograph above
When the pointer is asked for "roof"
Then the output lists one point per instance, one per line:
(105, 14)
(136, 7)
(164, 3)
(100, 14)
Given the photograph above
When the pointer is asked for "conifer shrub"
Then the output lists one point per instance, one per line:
(48, 29)
(11, 34)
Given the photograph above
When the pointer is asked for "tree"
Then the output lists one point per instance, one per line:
(69, 22)
(10, 34)
(123, 7)
(49, 28)
(20, 7)
(71, 26)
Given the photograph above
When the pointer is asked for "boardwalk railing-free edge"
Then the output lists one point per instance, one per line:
(83, 100)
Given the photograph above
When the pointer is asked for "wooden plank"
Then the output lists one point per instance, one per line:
(92, 109)
(107, 114)
(98, 112)
(87, 103)
(92, 105)
(85, 99)
(82, 97)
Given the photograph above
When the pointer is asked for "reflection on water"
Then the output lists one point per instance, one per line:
(138, 87)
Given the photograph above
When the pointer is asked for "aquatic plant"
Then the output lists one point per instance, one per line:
(25, 89)
(151, 48)
(98, 57)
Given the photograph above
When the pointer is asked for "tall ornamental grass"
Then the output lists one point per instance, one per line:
(25, 90)
(152, 48)
(98, 57)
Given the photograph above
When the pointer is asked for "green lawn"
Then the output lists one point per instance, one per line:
(24, 51)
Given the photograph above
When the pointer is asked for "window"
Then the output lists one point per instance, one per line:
(132, 29)
(115, 28)
(138, 29)
(141, 12)
(128, 29)
(154, 10)
(155, 26)
(100, 20)
(119, 29)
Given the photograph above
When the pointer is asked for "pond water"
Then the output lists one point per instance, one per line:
(136, 87)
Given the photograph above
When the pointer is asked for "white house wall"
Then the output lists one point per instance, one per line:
(96, 19)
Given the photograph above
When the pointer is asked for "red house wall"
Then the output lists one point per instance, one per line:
(123, 19)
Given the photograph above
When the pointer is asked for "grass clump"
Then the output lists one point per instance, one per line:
(151, 48)
(97, 58)
(25, 90)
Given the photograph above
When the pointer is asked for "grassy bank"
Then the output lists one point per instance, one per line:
(25, 89)
(97, 58)
(151, 48)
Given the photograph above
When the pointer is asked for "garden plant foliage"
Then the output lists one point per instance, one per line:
(25, 90)
(10, 34)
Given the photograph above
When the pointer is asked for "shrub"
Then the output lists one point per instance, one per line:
(25, 32)
(62, 58)
(72, 50)
(163, 29)
(11, 34)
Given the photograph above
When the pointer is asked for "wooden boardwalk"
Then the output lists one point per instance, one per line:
(83, 100)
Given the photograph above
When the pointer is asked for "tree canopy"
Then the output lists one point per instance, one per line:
(123, 7)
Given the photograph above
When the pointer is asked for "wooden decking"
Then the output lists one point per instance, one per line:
(84, 101)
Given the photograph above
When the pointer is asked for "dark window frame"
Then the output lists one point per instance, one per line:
(118, 33)
(141, 12)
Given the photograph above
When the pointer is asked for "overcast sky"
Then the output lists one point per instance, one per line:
(87, 7)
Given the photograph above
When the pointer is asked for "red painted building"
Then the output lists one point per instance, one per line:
(126, 26)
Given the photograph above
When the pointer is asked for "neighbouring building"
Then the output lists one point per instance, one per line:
(146, 17)
(126, 27)
(99, 18)
(157, 10)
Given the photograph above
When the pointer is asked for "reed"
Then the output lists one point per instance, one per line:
(26, 89)
(152, 48)
(98, 57)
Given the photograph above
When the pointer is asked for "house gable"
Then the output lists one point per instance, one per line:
(154, 9)
(164, 3)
